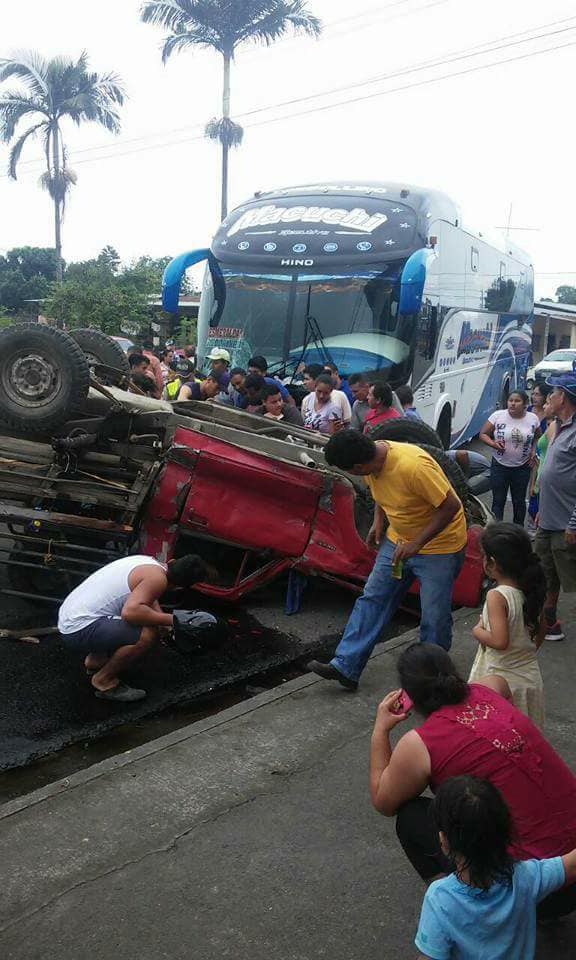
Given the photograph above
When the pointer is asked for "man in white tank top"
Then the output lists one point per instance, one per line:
(114, 617)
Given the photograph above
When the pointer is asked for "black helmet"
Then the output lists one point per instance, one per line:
(195, 629)
(183, 367)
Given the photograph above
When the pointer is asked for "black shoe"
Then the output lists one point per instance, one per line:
(328, 672)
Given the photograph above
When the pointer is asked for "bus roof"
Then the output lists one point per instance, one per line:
(422, 199)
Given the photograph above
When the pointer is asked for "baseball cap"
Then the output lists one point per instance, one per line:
(565, 381)
(182, 366)
(218, 353)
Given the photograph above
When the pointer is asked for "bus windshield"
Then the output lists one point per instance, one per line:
(286, 317)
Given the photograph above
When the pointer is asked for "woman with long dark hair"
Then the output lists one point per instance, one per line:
(512, 434)
(469, 729)
(511, 628)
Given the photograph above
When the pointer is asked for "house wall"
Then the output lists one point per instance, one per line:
(551, 333)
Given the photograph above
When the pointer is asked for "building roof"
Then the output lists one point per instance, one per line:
(565, 311)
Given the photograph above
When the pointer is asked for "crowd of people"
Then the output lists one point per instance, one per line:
(497, 843)
(331, 402)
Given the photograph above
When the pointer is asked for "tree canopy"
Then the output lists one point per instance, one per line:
(101, 293)
(26, 273)
(566, 294)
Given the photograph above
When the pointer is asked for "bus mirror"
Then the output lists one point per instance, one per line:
(412, 282)
(173, 274)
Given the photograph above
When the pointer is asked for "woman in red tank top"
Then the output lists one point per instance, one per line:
(470, 729)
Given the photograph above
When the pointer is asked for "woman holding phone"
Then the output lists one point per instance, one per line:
(319, 411)
(512, 433)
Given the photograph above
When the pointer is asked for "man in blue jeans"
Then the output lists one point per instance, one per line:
(425, 540)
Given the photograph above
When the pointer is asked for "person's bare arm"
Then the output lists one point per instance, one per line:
(498, 636)
(541, 635)
(498, 684)
(487, 436)
(375, 532)
(441, 517)
(395, 775)
(139, 607)
(569, 861)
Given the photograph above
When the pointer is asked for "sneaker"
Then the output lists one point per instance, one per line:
(122, 693)
(554, 631)
(328, 672)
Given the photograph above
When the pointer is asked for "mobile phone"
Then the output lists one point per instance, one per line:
(405, 704)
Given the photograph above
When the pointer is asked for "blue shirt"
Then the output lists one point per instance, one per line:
(412, 413)
(283, 391)
(459, 922)
(345, 388)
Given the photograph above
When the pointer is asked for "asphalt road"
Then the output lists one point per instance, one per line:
(48, 701)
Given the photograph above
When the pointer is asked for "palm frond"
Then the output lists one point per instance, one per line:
(224, 24)
(166, 13)
(29, 67)
(13, 107)
(224, 131)
(58, 184)
(275, 19)
(17, 148)
(190, 38)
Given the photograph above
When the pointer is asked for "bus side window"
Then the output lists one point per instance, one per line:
(474, 259)
(426, 339)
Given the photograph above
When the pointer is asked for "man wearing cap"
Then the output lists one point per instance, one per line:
(555, 541)
(219, 365)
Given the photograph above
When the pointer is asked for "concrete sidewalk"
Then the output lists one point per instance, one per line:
(246, 835)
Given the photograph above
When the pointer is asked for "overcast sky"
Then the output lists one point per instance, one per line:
(489, 138)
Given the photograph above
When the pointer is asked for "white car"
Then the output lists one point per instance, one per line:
(559, 361)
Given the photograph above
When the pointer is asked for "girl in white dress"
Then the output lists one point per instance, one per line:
(510, 630)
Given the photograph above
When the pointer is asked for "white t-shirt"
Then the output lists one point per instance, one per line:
(342, 402)
(319, 419)
(517, 434)
(102, 594)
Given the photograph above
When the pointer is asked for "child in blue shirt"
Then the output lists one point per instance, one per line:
(486, 909)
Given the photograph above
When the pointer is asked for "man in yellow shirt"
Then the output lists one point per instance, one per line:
(425, 540)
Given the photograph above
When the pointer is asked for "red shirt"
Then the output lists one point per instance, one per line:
(487, 737)
(374, 417)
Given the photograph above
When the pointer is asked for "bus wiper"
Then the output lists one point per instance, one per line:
(312, 334)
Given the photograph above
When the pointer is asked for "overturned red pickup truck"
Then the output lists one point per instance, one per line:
(89, 472)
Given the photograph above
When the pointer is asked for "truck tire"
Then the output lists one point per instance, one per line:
(98, 347)
(44, 378)
(405, 430)
(451, 470)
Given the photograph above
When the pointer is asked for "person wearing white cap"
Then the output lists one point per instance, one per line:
(220, 365)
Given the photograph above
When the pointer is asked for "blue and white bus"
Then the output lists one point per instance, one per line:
(377, 277)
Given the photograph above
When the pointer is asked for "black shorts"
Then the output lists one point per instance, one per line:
(103, 636)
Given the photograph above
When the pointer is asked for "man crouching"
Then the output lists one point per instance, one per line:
(114, 617)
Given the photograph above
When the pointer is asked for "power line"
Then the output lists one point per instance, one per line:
(332, 106)
(475, 51)
(412, 86)
(416, 68)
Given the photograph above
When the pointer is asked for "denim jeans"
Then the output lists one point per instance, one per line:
(382, 597)
(516, 480)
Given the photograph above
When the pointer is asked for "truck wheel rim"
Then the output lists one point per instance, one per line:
(31, 379)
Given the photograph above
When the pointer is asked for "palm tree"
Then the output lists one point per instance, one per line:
(50, 91)
(224, 25)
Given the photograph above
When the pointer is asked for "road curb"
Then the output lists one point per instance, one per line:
(189, 732)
